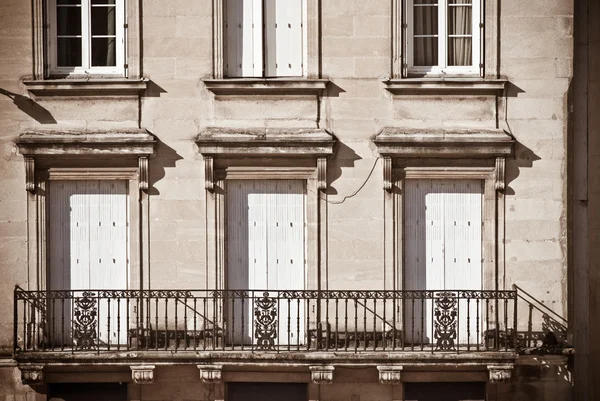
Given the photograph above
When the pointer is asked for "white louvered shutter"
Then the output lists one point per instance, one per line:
(442, 223)
(244, 38)
(89, 244)
(284, 38)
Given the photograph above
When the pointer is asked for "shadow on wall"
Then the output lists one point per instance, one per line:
(30, 107)
(343, 156)
(153, 90)
(166, 157)
(524, 158)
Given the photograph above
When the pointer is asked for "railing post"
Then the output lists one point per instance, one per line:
(15, 320)
(516, 322)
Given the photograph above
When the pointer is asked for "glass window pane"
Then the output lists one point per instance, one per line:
(103, 1)
(68, 20)
(426, 20)
(68, 2)
(460, 51)
(68, 52)
(104, 52)
(426, 2)
(460, 20)
(426, 51)
(460, 2)
(103, 21)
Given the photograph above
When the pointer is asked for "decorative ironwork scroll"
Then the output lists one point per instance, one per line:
(265, 322)
(84, 321)
(445, 321)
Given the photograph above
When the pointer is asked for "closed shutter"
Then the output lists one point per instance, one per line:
(88, 242)
(443, 240)
(284, 37)
(244, 38)
(265, 248)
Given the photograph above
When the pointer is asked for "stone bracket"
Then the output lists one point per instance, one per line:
(500, 373)
(32, 374)
(322, 173)
(29, 174)
(142, 374)
(210, 373)
(322, 374)
(209, 173)
(143, 167)
(387, 173)
(499, 174)
(390, 374)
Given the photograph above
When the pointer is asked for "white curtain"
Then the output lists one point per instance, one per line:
(426, 24)
(460, 23)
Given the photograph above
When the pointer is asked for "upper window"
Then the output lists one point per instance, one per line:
(86, 37)
(265, 38)
(443, 37)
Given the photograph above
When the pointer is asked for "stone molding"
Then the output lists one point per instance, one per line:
(446, 86)
(32, 374)
(390, 374)
(322, 374)
(264, 86)
(444, 143)
(86, 87)
(36, 144)
(500, 373)
(210, 373)
(142, 374)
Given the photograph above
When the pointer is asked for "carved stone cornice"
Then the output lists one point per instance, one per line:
(142, 374)
(500, 373)
(390, 374)
(321, 374)
(32, 374)
(210, 373)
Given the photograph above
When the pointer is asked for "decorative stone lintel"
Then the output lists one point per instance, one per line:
(142, 374)
(32, 374)
(322, 374)
(387, 173)
(266, 86)
(29, 174)
(86, 87)
(322, 173)
(500, 373)
(390, 374)
(449, 86)
(499, 174)
(210, 373)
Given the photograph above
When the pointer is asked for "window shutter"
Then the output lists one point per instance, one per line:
(284, 38)
(244, 38)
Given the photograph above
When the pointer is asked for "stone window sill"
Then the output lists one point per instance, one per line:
(266, 86)
(86, 87)
(446, 86)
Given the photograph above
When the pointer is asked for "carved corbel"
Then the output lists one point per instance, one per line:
(29, 174)
(321, 374)
(322, 173)
(210, 373)
(32, 374)
(143, 166)
(500, 373)
(390, 374)
(499, 174)
(142, 374)
(209, 175)
(387, 173)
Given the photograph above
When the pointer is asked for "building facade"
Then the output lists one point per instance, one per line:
(309, 199)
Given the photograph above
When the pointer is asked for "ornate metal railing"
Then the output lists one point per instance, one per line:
(263, 321)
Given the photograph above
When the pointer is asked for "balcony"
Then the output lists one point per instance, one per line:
(101, 322)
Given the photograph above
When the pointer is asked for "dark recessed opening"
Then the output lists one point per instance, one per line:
(267, 392)
(87, 392)
(444, 391)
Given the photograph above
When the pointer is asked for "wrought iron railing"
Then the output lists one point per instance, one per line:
(263, 321)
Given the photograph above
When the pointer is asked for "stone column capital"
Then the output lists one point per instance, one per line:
(32, 374)
(321, 374)
(210, 373)
(142, 374)
(500, 373)
(389, 374)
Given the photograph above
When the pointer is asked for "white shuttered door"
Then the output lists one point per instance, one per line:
(88, 242)
(283, 30)
(265, 249)
(244, 27)
(442, 232)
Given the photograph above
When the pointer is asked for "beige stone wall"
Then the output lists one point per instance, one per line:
(536, 42)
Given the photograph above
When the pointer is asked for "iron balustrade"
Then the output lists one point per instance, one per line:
(264, 320)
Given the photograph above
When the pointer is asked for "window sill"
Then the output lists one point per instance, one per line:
(86, 87)
(266, 86)
(446, 86)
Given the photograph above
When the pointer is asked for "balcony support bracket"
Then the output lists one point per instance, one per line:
(142, 374)
(500, 373)
(390, 374)
(321, 374)
(210, 373)
(32, 374)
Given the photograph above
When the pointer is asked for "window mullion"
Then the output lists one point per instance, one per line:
(442, 34)
(86, 34)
